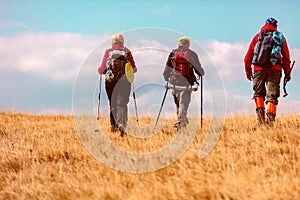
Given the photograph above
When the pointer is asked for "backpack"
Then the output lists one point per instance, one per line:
(182, 66)
(116, 61)
(263, 50)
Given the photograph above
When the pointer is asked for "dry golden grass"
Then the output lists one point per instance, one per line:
(42, 157)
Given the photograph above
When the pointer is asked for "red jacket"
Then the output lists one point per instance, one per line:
(284, 58)
(102, 67)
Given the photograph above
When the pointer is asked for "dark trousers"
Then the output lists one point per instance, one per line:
(118, 93)
(266, 84)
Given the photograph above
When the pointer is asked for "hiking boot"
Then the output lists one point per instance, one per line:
(122, 130)
(260, 112)
(260, 116)
(270, 119)
(113, 129)
(179, 126)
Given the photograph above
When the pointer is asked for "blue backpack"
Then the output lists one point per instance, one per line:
(267, 48)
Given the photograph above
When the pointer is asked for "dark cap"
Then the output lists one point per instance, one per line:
(272, 21)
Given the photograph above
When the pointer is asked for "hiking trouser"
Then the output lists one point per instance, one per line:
(266, 84)
(118, 93)
(182, 99)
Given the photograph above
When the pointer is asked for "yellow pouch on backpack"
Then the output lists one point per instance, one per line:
(129, 72)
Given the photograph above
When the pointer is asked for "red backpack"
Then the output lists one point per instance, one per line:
(183, 69)
(182, 63)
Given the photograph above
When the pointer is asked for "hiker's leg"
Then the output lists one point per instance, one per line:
(123, 93)
(259, 80)
(109, 87)
(176, 97)
(185, 99)
(273, 92)
(260, 110)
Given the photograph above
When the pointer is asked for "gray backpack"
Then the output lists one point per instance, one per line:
(116, 62)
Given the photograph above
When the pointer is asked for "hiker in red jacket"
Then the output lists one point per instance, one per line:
(116, 84)
(268, 52)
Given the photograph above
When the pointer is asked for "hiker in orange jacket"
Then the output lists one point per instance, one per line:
(116, 84)
(267, 69)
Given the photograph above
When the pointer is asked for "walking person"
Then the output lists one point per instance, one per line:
(180, 69)
(268, 52)
(116, 84)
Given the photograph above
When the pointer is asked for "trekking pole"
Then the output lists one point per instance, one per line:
(163, 101)
(98, 110)
(135, 106)
(285, 82)
(201, 92)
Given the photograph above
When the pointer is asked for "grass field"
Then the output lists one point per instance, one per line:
(42, 157)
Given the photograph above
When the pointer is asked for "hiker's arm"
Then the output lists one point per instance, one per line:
(102, 68)
(130, 57)
(249, 56)
(168, 67)
(197, 65)
(286, 62)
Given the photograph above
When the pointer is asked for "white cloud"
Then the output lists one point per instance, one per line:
(53, 55)
(295, 55)
(228, 58)
(148, 52)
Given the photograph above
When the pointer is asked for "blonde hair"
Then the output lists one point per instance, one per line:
(117, 38)
(184, 41)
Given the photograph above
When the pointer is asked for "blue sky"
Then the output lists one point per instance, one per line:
(44, 44)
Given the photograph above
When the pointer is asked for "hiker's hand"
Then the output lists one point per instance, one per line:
(249, 76)
(287, 78)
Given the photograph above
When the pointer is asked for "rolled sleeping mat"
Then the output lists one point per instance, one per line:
(177, 87)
